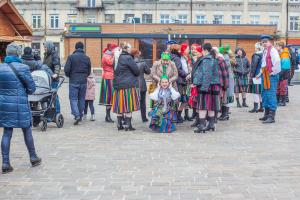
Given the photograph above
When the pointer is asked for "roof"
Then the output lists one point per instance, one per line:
(11, 39)
(14, 18)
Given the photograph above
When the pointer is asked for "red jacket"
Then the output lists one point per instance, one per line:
(108, 65)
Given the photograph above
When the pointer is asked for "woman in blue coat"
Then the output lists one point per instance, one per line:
(15, 85)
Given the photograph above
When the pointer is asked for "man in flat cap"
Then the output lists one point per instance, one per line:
(271, 68)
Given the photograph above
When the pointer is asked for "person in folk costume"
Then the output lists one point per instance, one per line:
(184, 88)
(282, 90)
(229, 59)
(164, 111)
(255, 72)
(197, 53)
(241, 71)
(271, 68)
(106, 86)
(126, 98)
(224, 82)
(144, 69)
(206, 79)
(181, 81)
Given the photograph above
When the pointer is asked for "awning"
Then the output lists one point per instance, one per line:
(11, 39)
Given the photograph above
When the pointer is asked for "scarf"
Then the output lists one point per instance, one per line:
(267, 70)
(10, 59)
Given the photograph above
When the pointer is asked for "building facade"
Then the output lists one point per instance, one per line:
(48, 17)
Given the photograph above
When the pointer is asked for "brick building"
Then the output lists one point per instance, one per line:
(150, 39)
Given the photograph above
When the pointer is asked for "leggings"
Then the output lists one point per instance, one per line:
(89, 103)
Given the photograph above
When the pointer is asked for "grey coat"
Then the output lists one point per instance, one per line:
(144, 69)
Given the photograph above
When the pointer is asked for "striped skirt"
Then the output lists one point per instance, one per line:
(241, 83)
(126, 100)
(106, 92)
(255, 88)
(209, 100)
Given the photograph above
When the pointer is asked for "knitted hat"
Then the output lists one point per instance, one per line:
(27, 51)
(184, 46)
(165, 56)
(13, 49)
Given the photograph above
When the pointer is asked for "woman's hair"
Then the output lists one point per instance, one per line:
(258, 46)
(124, 46)
(135, 52)
(208, 47)
(280, 44)
(243, 51)
(175, 49)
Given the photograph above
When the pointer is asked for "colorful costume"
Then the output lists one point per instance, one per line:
(282, 89)
(164, 112)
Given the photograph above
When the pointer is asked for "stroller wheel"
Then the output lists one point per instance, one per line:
(59, 120)
(43, 125)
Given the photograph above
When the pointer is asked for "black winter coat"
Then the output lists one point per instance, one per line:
(144, 69)
(126, 73)
(78, 67)
(242, 66)
(181, 73)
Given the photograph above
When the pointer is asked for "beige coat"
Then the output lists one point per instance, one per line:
(157, 72)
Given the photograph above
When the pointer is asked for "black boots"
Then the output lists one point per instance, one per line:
(197, 121)
(201, 127)
(179, 118)
(194, 115)
(282, 100)
(244, 103)
(265, 117)
(270, 118)
(225, 114)
(261, 109)
(36, 161)
(238, 104)
(211, 124)
(107, 117)
(255, 108)
(120, 123)
(7, 168)
(186, 115)
(128, 125)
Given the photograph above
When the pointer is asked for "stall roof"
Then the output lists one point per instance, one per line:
(15, 19)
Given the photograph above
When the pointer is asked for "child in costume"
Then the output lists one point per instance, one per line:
(164, 112)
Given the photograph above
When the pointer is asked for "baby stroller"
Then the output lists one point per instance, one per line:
(43, 101)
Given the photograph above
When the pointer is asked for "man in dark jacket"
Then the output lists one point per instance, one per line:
(78, 68)
(52, 60)
(15, 85)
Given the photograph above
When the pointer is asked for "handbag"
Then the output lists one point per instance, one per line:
(151, 87)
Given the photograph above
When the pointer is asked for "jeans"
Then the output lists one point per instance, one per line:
(6, 139)
(269, 98)
(54, 86)
(143, 105)
(77, 94)
(89, 103)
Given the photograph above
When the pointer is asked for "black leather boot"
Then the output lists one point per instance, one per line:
(201, 128)
(36, 161)
(197, 121)
(108, 117)
(226, 114)
(211, 124)
(271, 117)
(120, 123)
(179, 118)
(186, 115)
(194, 115)
(261, 109)
(223, 109)
(255, 108)
(7, 168)
(238, 104)
(265, 117)
(128, 126)
(244, 103)
(283, 100)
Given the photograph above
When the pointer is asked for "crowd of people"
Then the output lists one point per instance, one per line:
(201, 78)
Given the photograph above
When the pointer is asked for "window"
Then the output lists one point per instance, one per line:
(146, 18)
(201, 19)
(294, 1)
(90, 19)
(146, 48)
(36, 48)
(54, 21)
(236, 19)
(294, 23)
(72, 18)
(109, 18)
(36, 21)
(56, 47)
(182, 19)
(127, 17)
(91, 3)
(254, 19)
(274, 20)
(165, 19)
(218, 19)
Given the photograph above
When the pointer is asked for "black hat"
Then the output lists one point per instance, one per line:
(266, 37)
(27, 51)
(170, 42)
(79, 45)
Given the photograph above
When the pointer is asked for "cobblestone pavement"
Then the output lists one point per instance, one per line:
(242, 160)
